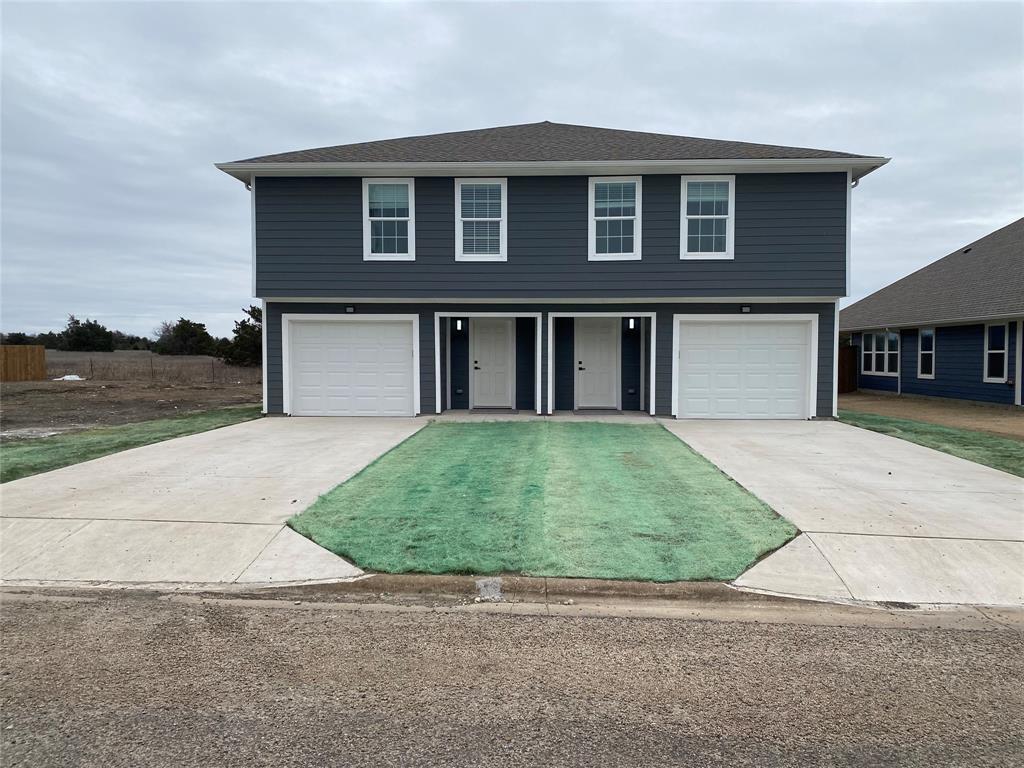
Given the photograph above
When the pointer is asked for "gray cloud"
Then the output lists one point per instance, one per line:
(113, 114)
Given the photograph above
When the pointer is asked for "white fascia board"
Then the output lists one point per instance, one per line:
(933, 323)
(856, 166)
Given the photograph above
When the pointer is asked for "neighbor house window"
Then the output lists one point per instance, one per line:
(389, 219)
(707, 217)
(481, 221)
(995, 353)
(880, 352)
(615, 204)
(926, 353)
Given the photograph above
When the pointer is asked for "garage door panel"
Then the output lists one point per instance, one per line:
(361, 368)
(743, 369)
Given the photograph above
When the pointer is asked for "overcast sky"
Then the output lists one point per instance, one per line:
(113, 115)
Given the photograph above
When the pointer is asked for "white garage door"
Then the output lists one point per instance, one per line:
(743, 370)
(351, 368)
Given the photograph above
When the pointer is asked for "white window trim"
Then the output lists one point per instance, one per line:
(1005, 350)
(502, 255)
(592, 254)
(411, 255)
(921, 352)
(730, 249)
(886, 352)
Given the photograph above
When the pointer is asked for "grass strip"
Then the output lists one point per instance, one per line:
(994, 451)
(21, 458)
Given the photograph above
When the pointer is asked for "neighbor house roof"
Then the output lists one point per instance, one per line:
(980, 281)
(546, 142)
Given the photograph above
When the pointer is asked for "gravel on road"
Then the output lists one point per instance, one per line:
(133, 679)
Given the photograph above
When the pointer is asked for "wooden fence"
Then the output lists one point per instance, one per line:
(847, 369)
(22, 363)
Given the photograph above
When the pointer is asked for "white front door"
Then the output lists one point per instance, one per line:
(597, 361)
(744, 370)
(357, 368)
(492, 344)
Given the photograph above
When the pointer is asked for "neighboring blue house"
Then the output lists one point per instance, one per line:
(550, 267)
(952, 329)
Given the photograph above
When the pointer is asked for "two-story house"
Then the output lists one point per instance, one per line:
(548, 267)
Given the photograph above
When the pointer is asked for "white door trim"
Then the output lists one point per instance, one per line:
(618, 365)
(551, 350)
(510, 354)
(286, 357)
(437, 349)
(812, 320)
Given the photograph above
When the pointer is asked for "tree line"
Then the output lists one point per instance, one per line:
(184, 337)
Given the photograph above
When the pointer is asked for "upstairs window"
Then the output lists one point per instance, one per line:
(615, 208)
(389, 221)
(880, 352)
(481, 223)
(995, 353)
(707, 217)
(926, 353)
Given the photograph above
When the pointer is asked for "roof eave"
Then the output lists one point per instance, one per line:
(858, 166)
(974, 320)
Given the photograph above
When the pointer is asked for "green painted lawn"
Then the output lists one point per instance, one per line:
(579, 499)
(22, 458)
(1003, 453)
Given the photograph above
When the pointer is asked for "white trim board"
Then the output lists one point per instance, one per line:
(287, 319)
(560, 300)
(1020, 363)
(684, 227)
(502, 254)
(551, 349)
(858, 167)
(437, 351)
(263, 343)
(812, 393)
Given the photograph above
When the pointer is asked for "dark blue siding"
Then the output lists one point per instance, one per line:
(790, 234)
(526, 364)
(460, 363)
(563, 380)
(630, 375)
(959, 365)
(565, 364)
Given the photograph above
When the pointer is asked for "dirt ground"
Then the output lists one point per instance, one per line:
(1003, 420)
(40, 408)
(116, 679)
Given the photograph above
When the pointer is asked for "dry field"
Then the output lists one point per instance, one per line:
(132, 365)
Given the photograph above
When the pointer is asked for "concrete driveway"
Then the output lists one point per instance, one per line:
(207, 508)
(882, 519)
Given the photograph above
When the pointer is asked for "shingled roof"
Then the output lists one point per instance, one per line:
(547, 142)
(980, 281)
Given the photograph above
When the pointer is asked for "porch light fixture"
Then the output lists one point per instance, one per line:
(458, 325)
(745, 308)
(350, 310)
(632, 323)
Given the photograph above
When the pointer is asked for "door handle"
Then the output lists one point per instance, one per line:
(581, 369)
(476, 367)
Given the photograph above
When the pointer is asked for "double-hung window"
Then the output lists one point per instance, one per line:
(926, 353)
(389, 220)
(995, 353)
(481, 220)
(880, 352)
(707, 217)
(615, 211)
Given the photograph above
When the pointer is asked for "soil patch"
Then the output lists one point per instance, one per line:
(35, 409)
(1002, 420)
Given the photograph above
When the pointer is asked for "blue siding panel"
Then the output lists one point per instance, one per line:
(790, 232)
(563, 329)
(959, 365)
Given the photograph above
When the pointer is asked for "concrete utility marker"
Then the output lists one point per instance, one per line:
(883, 519)
(199, 510)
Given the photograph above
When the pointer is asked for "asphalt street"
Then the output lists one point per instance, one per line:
(134, 679)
